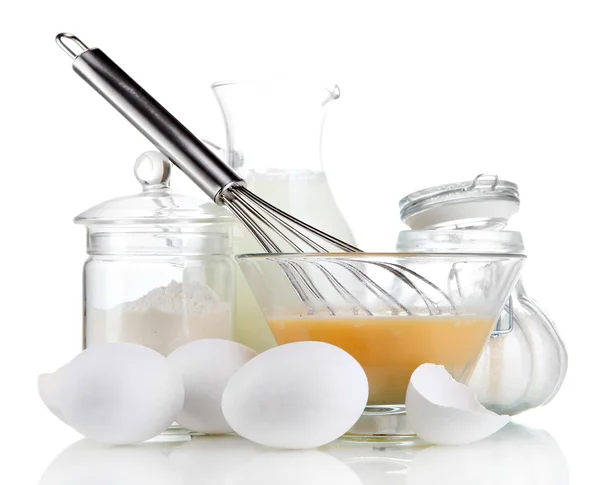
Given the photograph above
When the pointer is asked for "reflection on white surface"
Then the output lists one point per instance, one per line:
(515, 455)
(298, 467)
(90, 463)
(211, 459)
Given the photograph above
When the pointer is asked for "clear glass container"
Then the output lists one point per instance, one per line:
(525, 362)
(274, 132)
(160, 271)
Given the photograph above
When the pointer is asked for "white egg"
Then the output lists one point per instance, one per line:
(116, 393)
(298, 395)
(206, 366)
(442, 411)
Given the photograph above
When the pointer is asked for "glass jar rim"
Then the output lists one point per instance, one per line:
(374, 255)
(161, 207)
(460, 241)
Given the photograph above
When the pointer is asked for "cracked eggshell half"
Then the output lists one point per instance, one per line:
(442, 411)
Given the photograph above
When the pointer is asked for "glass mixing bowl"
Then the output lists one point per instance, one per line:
(392, 312)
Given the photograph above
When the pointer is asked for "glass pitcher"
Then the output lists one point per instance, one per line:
(273, 134)
(525, 361)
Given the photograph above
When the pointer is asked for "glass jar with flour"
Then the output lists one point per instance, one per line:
(160, 271)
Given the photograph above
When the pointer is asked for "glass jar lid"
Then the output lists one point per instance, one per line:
(483, 203)
(156, 204)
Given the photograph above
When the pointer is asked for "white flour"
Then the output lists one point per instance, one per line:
(163, 319)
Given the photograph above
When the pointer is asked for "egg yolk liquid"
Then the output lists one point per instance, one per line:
(390, 348)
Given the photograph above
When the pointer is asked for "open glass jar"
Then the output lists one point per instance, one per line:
(160, 271)
(525, 362)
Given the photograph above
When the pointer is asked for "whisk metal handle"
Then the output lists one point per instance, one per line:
(167, 134)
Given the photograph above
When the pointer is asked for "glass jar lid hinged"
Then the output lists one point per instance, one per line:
(483, 203)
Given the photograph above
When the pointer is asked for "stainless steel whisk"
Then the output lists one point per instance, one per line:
(275, 230)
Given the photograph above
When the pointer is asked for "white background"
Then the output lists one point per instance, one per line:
(432, 92)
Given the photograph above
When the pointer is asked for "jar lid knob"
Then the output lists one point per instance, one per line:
(153, 170)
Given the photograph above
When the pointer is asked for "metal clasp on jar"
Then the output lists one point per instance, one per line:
(508, 308)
